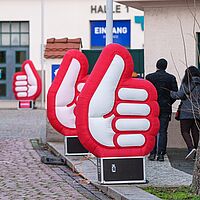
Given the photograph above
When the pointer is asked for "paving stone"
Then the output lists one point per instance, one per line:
(22, 175)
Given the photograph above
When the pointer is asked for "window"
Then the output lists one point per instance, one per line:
(2, 90)
(2, 57)
(2, 73)
(20, 57)
(14, 33)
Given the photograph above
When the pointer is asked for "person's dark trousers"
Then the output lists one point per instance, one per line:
(161, 139)
(188, 125)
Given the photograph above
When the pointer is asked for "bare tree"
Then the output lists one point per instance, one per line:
(196, 172)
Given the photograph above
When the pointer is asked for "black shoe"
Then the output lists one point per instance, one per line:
(152, 157)
(190, 154)
(160, 157)
(194, 157)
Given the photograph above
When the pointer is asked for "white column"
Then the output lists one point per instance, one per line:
(109, 21)
(42, 53)
(43, 138)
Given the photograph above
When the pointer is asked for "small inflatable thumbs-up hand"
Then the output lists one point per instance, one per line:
(63, 93)
(27, 84)
(116, 115)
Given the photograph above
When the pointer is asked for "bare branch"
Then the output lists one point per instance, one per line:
(184, 46)
(175, 65)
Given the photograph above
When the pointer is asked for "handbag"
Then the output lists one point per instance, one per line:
(177, 114)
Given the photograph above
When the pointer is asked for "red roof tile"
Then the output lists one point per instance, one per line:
(56, 48)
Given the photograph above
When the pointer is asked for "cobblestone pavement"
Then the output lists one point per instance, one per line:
(22, 174)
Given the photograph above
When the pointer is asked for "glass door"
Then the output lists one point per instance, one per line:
(14, 47)
(11, 59)
(3, 73)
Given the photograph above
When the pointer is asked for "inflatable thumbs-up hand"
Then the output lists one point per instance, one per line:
(116, 115)
(63, 93)
(27, 84)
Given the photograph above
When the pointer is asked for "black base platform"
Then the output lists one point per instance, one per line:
(25, 104)
(121, 170)
(74, 147)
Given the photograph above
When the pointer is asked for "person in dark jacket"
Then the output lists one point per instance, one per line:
(189, 93)
(164, 83)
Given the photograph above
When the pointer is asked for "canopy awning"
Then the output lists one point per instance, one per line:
(141, 4)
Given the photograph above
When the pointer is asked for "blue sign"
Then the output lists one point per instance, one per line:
(121, 33)
(54, 70)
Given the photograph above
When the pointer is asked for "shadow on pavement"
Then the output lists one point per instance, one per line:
(177, 160)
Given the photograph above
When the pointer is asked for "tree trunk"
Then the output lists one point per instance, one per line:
(196, 174)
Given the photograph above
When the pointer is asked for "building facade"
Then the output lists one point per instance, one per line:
(25, 26)
(172, 31)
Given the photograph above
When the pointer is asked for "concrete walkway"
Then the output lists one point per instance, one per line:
(22, 123)
(159, 174)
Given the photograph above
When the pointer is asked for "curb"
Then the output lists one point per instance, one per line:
(132, 192)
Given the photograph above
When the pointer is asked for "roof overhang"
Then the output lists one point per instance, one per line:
(141, 4)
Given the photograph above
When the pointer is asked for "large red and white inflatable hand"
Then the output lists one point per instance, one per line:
(27, 84)
(64, 91)
(116, 114)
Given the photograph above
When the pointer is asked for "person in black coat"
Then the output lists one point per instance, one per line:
(164, 83)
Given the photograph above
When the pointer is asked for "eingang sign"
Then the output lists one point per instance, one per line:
(121, 33)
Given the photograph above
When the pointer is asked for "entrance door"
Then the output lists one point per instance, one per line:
(14, 45)
(11, 59)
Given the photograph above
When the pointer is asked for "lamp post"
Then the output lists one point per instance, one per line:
(109, 21)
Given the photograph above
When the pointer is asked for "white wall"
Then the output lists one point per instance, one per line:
(64, 18)
(163, 38)
(71, 18)
(23, 10)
